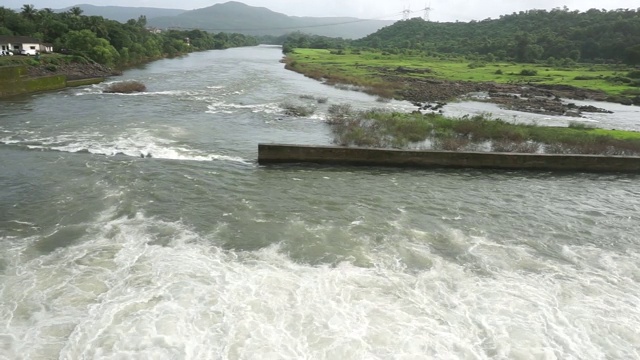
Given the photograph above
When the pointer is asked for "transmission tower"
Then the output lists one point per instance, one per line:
(406, 13)
(427, 12)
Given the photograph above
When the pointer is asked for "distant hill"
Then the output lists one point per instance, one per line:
(122, 14)
(238, 17)
(528, 36)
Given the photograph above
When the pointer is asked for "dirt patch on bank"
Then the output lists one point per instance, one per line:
(74, 71)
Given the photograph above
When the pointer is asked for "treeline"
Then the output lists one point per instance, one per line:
(306, 41)
(552, 36)
(109, 42)
(528, 36)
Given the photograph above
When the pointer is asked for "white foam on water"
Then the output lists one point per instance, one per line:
(118, 293)
(138, 143)
(224, 107)
(200, 95)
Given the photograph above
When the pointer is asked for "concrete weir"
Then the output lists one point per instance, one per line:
(334, 155)
(14, 81)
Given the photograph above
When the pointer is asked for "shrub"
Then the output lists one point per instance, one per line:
(450, 143)
(528, 72)
(51, 68)
(498, 72)
(125, 87)
(297, 110)
(635, 74)
(79, 59)
(585, 77)
(339, 112)
(476, 64)
(525, 147)
(618, 79)
(322, 100)
(580, 126)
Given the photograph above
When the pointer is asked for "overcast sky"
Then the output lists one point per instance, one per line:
(443, 10)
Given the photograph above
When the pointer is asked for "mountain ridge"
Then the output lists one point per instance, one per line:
(234, 16)
(123, 13)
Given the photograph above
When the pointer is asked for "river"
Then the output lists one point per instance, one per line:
(141, 227)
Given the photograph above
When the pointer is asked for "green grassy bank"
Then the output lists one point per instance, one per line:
(383, 70)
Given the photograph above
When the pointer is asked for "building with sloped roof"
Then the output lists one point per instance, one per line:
(22, 44)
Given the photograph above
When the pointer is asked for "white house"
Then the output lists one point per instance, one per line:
(17, 44)
(46, 48)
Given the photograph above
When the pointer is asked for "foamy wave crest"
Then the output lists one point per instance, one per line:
(222, 107)
(99, 88)
(143, 288)
(139, 144)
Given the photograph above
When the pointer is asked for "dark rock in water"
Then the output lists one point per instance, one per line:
(593, 109)
(125, 87)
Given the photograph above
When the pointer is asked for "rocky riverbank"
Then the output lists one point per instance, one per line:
(534, 98)
(73, 71)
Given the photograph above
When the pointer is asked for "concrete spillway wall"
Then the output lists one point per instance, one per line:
(13, 81)
(281, 154)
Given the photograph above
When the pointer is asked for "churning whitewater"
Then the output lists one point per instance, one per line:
(140, 227)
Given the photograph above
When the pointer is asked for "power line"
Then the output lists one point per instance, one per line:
(289, 28)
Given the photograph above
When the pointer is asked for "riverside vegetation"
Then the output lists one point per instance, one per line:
(96, 40)
(380, 128)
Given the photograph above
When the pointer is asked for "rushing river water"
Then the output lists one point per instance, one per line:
(199, 253)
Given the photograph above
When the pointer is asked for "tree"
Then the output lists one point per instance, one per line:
(142, 21)
(75, 11)
(28, 12)
(633, 55)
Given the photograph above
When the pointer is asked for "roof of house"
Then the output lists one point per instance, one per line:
(18, 39)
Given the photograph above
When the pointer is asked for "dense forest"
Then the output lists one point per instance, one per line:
(109, 42)
(528, 36)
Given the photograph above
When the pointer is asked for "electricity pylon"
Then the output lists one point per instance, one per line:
(427, 12)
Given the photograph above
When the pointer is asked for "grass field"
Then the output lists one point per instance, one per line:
(368, 69)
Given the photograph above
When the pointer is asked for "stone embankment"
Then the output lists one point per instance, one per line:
(73, 71)
(17, 80)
